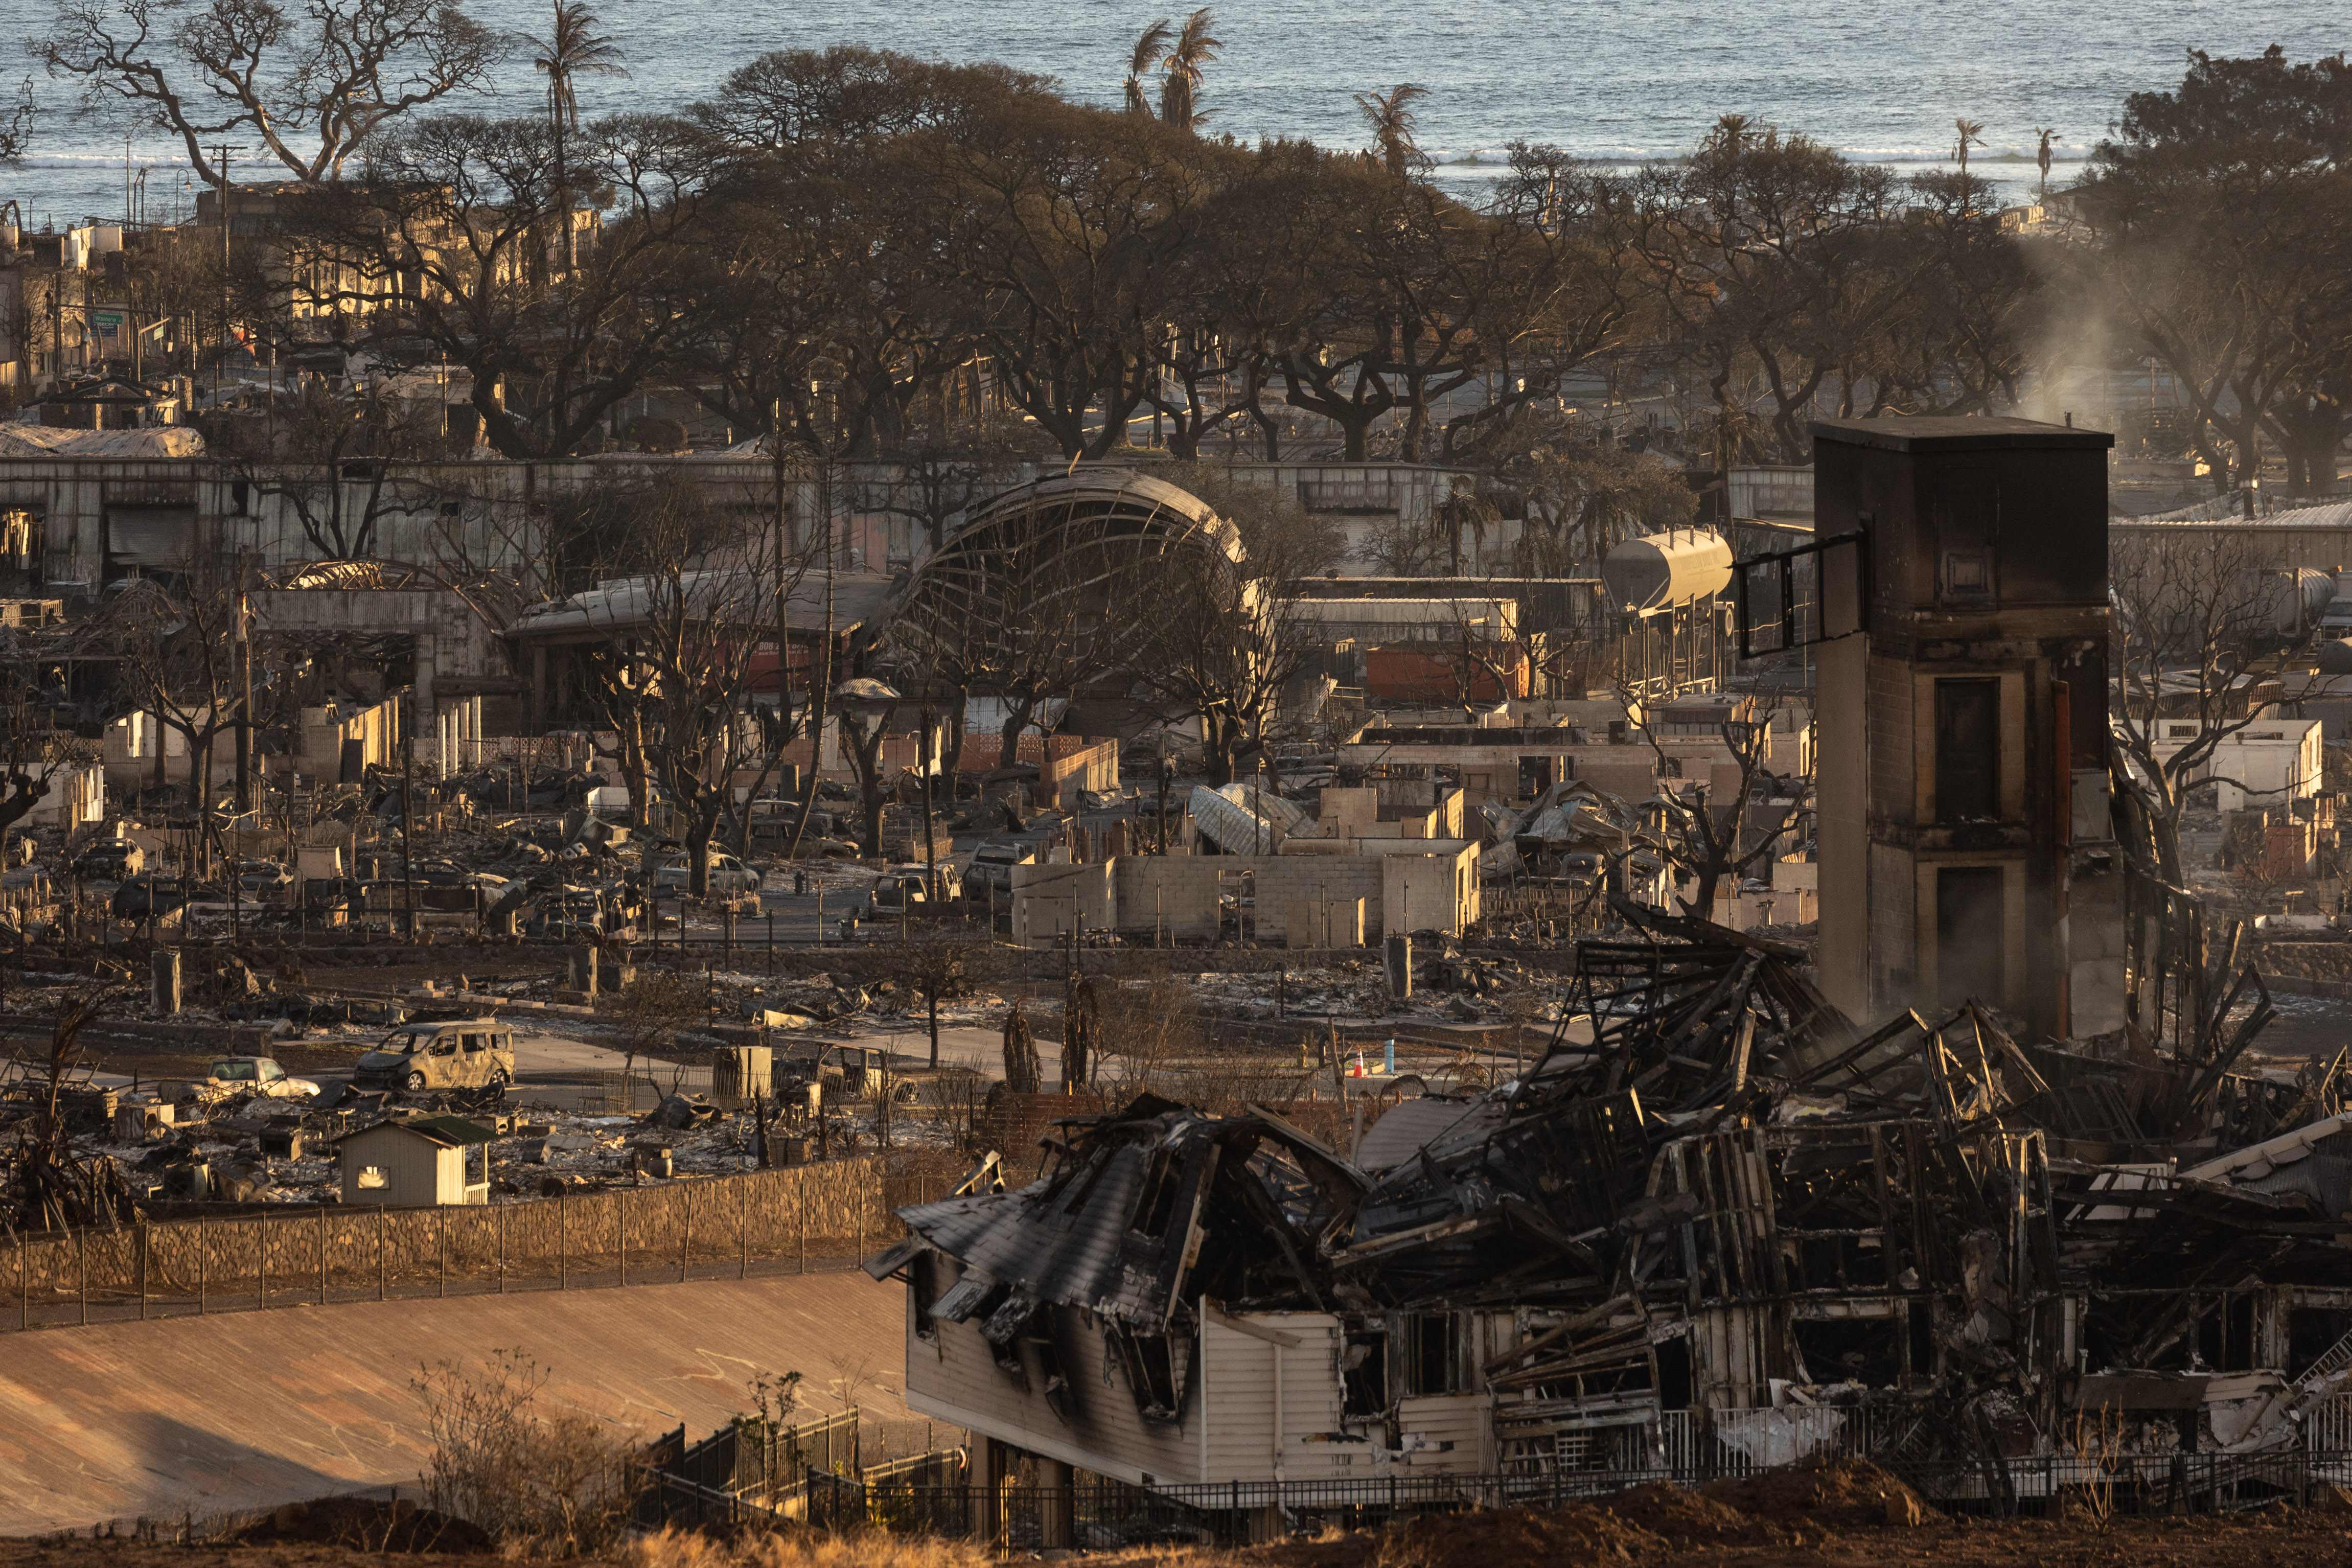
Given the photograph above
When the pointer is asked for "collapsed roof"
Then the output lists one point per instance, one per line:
(1708, 1158)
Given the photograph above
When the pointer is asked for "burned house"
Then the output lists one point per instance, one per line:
(1717, 1225)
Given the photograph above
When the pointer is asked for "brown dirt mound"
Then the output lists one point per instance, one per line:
(1485, 1540)
(1683, 1516)
(1849, 1493)
(367, 1524)
(1475, 1540)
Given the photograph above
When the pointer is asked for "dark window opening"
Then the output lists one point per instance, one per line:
(2312, 1332)
(1968, 937)
(923, 1292)
(1923, 1340)
(1967, 749)
(1150, 1374)
(1674, 1374)
(1161, 1185)
(1431, 1354)
(1851, 1350)
(1364, 1374)
(2225, 1333)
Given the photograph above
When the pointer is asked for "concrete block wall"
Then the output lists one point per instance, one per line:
(1287, 882)
(1174, 894)
(1049, 900)
(1349, 812)
(1324, 924)
(1437, 892)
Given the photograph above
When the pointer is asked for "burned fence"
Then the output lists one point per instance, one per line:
(803, 1219)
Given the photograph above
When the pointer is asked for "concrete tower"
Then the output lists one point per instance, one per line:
(1966, 845)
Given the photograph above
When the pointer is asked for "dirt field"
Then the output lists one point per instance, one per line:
(1851, 1515)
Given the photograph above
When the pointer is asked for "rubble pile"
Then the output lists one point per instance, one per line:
(1713, 1193)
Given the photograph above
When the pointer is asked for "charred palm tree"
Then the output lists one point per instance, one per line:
(1184, 69)
(1391, 119)
(1148, 48)
(572, 48)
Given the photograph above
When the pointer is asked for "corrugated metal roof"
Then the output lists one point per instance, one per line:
(52, 441)
(1412, 1125)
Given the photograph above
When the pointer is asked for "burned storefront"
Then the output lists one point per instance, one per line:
(1747, 1207)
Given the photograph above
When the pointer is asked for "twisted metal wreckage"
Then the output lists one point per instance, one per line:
(1714, 1195)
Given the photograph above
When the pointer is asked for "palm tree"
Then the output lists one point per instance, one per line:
(2044, 135)
(572, 47)
(1971, 135)
(1390, 118)
(1148, 50)
(1180, 92)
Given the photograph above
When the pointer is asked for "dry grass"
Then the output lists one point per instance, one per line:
(681, 1548)
(543, 1482)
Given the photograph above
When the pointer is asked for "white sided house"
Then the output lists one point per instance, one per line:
(2270, 762)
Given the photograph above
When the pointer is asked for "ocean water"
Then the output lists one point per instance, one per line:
(1629, 80)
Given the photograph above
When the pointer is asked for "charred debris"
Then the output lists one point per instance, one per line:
(1715, 1193)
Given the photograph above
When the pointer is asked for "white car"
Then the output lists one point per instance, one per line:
(262, 1075)
(729, 876)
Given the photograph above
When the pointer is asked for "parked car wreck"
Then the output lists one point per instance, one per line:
(1717, 1223)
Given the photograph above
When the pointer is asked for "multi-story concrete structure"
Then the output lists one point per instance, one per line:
(1966, 846)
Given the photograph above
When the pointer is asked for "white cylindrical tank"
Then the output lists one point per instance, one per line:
(2288, 600)
(2336, 657)
(1658, 572)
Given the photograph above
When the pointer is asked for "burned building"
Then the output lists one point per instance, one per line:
(1966, 845)
(1909, 1196)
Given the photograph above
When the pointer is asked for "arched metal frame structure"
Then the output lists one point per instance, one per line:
(1067, 562)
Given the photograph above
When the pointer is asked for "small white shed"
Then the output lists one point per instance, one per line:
(417, 1163)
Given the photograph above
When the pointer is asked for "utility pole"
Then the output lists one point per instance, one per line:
(245, 706)
(226, 151)
(408, 815)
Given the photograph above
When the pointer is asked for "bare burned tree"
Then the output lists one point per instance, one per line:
(2203, 627)
(939, 971)
(310, 89)
(343, 467)
(34, 752)
(54, 1187)
(1708, 840)
(456, 247)
(686, 614)
(182, 645)
(1226, 644)
(16, 126)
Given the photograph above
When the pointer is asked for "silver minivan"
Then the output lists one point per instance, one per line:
(462, 1053)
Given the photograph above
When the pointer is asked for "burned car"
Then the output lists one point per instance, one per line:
(461, 1053)
(262, 1075)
